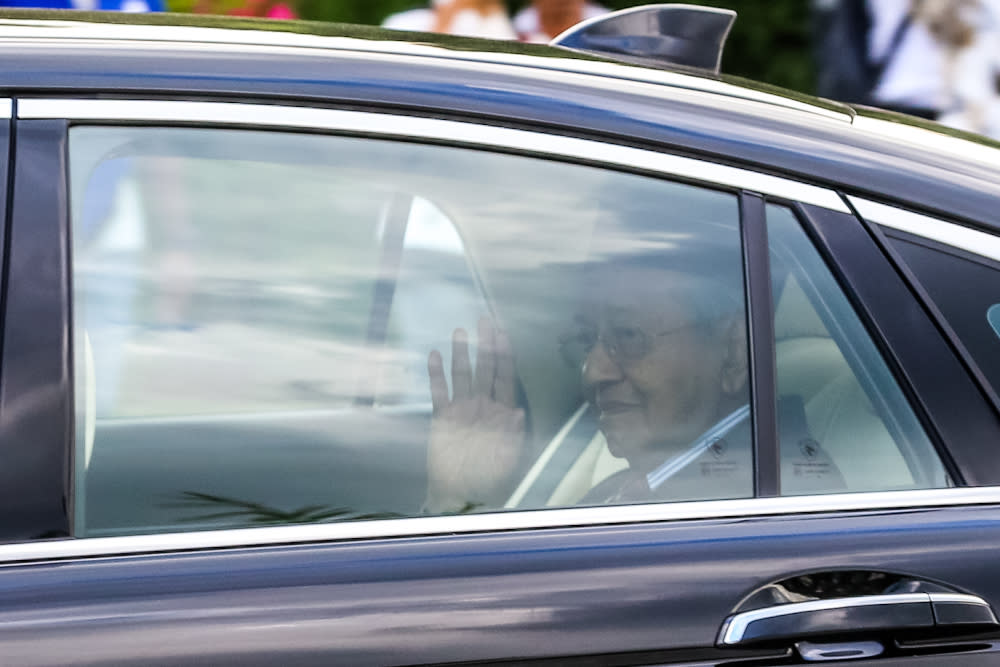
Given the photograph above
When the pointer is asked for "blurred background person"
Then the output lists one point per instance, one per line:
(544, 19)
(470, 18)
(966, 32)
(936, 59)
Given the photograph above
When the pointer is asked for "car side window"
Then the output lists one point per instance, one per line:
(844, 423)
(279, 328)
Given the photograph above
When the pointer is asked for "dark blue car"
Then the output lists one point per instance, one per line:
(330, 345)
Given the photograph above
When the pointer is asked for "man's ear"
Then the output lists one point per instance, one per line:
(735, 368)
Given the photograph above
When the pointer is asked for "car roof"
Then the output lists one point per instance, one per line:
(192, 30)
(884, 156)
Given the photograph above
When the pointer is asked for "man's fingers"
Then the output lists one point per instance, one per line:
(439, 386)
(504, 386)
(486, 364)
(461, 368)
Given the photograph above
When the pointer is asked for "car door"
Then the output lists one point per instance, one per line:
(225, 501)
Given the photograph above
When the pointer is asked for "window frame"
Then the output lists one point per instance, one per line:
(748, 184)
(956, 413)
(865, 374)
(35, 413)
(762, 353)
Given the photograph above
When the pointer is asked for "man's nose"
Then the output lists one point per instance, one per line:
(599, 367)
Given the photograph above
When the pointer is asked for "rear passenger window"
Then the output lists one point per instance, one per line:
(965, 287)
(844, 423)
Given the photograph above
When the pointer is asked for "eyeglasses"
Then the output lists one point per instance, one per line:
(624, 344)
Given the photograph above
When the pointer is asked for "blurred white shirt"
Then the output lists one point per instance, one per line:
(468, 23)
(960, 84)
(528, 29)
(914, 75)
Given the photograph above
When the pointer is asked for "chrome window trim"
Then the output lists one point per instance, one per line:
(934, 229)
(6, 108)
(494, 522)
(452, 132)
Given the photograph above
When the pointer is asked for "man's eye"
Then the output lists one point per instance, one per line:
(630, 341)
(625, 335)
(585, 338)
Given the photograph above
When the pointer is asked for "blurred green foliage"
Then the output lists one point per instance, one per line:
(770, 41)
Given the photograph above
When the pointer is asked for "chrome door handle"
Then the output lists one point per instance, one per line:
(944, 612)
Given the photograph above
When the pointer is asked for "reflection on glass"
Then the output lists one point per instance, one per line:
(435, 289)
(265, 332)
(846, 425)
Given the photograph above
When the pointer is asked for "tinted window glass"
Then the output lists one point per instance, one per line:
(844, 423)
(965, 288)
(277, 328)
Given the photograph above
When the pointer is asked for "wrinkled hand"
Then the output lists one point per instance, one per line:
(477, 436)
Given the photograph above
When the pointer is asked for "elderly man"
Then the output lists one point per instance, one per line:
(662, 354)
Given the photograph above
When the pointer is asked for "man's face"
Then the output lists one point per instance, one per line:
(655, 373)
